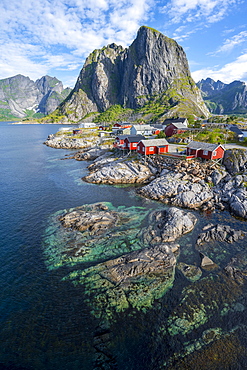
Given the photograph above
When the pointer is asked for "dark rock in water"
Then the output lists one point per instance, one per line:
(222, 233)
(234, 159)
(237, 268)
(169, 224)
(132, 280)
(201, 300)
(191, 272)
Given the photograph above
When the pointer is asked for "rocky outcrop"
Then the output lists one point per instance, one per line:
(96, 221)
(68, 142)
(118, 171)
(153, 67)
(167, 225)
(224, 98)
(235, 160)
(222, 233)
(173, 188)
(21, 97)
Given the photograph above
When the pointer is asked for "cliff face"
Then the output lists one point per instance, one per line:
(154, 67)
(20, 96)
(224, 98)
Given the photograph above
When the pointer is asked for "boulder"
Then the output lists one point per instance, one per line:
(234, 160)
(167, 225)
(221, 233)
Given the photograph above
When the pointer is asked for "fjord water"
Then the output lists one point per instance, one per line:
(44, 321)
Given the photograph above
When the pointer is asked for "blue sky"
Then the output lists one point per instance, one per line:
(55, 36)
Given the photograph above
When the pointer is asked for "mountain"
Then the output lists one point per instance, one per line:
(150, 79)
(224, 98)
(21, 97)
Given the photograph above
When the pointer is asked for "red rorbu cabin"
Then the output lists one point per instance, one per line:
(119, 141)
(131, 142)
(205, 150)
(153, 146)
(175, 128)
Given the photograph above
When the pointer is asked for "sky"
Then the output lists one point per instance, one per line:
(54, 37)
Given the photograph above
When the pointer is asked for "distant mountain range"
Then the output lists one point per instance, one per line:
(20, 97)
(223, 98)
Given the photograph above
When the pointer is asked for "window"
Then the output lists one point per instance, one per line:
(151, 148)
(205, 152)
(134, 145)
(143, 149)
(214, 153)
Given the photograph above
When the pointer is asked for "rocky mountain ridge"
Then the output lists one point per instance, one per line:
(21, 97)
(224, 98)
(151, 73)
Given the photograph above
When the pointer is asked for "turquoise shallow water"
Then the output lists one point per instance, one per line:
(45, 320)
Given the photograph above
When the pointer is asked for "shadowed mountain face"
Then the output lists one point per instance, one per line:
(21, 97)
(153, 68)
(224, 98)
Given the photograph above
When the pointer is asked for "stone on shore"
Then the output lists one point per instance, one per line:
(172, 188)
(119, 172)
(67, 142)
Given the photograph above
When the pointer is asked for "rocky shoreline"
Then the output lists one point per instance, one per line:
(132, 256)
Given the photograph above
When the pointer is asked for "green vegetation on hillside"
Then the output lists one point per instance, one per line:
(112, 114)
(213, 136)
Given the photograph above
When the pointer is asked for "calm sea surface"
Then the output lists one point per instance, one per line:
(44, 322)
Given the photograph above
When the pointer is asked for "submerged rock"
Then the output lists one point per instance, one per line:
(191, 272)
(132, 280)
(92, 233)
(169, 224)
(209, 296)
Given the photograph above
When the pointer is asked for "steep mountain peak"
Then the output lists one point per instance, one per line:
(152, 67)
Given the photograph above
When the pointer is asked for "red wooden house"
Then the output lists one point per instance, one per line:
(153, 146)
(175, 128)
(119, 141)
(130, 142)
(205, 150)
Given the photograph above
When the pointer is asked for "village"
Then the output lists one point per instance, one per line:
(163, 139)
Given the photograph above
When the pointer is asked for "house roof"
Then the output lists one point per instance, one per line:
(134, 138)
(179, 125)
(236, 130)
(203, 146)
(158, 126)
(155, 142)
(121, 137)
(174, 120)
(142, 127)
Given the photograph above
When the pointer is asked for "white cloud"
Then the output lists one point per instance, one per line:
(194, 10)
(58, 31)
(235, 70)
(230, 43)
